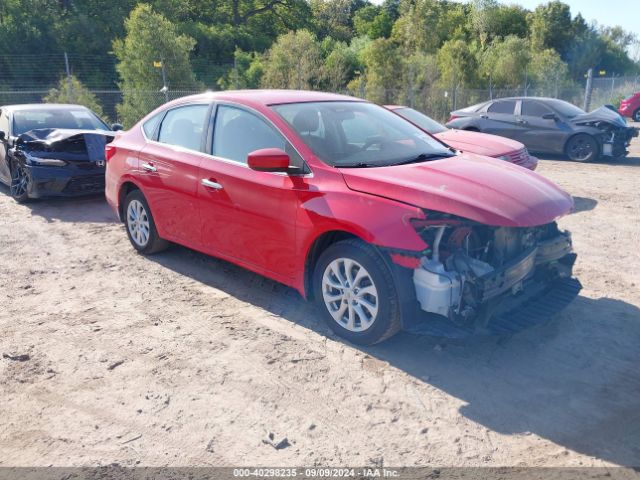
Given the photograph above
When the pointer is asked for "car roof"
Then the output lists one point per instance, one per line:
(269, 97)
(42, 106)
(544, 99)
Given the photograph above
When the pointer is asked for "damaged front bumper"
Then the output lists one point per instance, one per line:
(68, 181)
(616, 142)
(529, 288)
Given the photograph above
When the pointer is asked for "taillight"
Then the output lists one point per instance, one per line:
(109, 152)
(452, 118)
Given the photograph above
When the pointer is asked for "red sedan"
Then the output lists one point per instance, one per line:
(349, 204)
(630, 107)
(472, 142)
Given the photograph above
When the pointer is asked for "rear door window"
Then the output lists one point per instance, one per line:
(184, 126)
(503, 106)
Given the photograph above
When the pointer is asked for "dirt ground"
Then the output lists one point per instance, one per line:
(185, 360)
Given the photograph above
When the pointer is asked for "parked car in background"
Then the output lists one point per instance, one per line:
(52, 150)
(466, 141)
(630, 107)
(349, 204)
(549, 125)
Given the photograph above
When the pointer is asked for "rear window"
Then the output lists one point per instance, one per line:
(505, 106)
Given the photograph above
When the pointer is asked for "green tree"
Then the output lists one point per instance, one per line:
(548, 72)
(71, 90)
(457, 64)
(382, 63)
(246, 73)
(373, 21)
(293, 61)
(506, 62)
(551, 27)
(339, 67)
(150, 40)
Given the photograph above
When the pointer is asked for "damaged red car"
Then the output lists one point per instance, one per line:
(359, 210)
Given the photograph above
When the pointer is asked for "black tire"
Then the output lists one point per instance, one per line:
(20, 183)
(151, 243)
(582, 148)
(636, 115)
(387, 321)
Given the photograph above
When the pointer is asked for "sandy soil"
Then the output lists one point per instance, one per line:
(181, 359)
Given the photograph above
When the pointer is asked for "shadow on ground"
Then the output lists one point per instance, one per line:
(584, 204)
(574, 381)
(92, 209)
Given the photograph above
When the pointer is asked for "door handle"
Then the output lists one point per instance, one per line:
(148, 167)
(211, 184)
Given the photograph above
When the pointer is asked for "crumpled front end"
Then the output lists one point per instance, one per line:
(473, 274)
(62, 162)
(616, 140)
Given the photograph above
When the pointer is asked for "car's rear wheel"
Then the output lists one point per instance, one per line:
(19, 183)
(636, 115)
(582, 148)
(141, 229)
(356, 293)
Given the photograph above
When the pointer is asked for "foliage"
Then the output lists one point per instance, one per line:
(152, 44)
(399, 45)
(294, 61)
(71, 90)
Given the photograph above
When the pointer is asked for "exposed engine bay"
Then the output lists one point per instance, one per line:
(471, 268)
(614, 134)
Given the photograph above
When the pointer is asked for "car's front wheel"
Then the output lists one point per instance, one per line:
(582, 148)
(19, 183)
(141, 229)
(636, 115)
(356, 294)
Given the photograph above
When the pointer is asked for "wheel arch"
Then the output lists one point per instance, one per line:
(319, 245)
(127, 187)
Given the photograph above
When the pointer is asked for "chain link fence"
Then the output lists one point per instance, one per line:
(435, 102)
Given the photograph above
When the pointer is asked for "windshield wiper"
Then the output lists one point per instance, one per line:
(423, 157)
(359, 165)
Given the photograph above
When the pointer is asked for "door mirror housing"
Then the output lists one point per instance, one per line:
(117, 126)
(268, 160)
(550, 116)
(3, 136)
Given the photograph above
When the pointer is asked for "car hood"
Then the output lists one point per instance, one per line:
(65, 144)
(480, 143)
(478, 188)
(602, 114)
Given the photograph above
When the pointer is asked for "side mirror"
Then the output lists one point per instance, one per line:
(268, 160)
(550, 116)
(117, 126)
(3, 136)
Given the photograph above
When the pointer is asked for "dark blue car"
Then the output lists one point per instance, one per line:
(52, 150)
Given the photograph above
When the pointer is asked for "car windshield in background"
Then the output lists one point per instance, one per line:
(421, 120)
(78, 118)
(355, 134)
(565, 108)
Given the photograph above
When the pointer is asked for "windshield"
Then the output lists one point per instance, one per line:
(359, 134)
(565, 109)
(421, 120)
(72, 118)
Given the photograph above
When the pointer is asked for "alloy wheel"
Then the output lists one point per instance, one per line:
(19, 181)
(138, 223)
(581, 148)
(350, 295)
